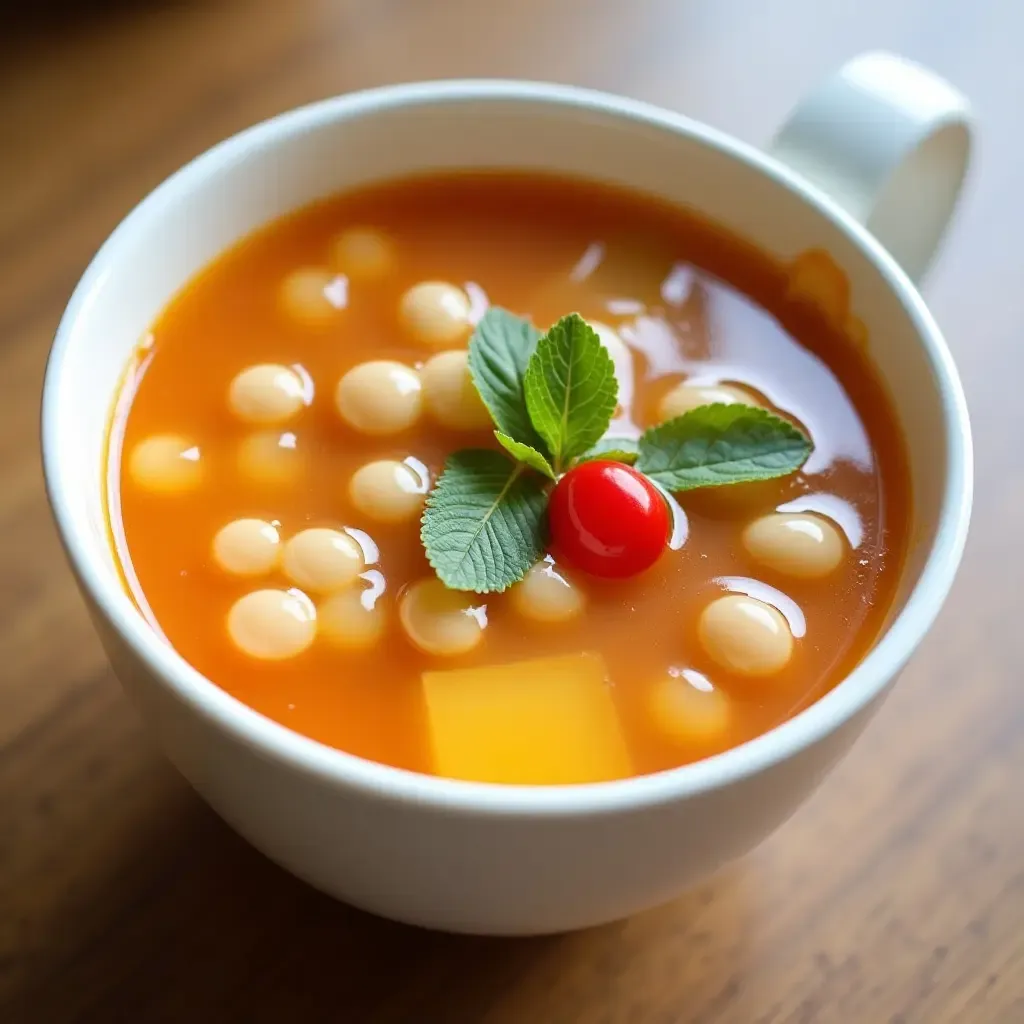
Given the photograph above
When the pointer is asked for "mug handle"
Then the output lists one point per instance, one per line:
(889, 142)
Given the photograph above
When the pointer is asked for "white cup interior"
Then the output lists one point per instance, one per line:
(329, 147)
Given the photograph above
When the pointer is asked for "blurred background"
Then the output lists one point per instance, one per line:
(895, 896)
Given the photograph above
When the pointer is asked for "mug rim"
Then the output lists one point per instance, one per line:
(240, 723)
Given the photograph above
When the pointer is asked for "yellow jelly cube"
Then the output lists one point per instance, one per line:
(543, 722)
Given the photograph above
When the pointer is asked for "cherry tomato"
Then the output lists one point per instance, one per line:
(608, 520)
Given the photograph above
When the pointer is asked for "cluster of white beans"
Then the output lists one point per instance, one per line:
(385, 397)
(331, 593)
(742, 634)
(447, 622)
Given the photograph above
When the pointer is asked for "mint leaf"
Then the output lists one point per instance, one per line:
(485, 521)
(499, 352)
(721, 444)
(524, 453)
(570, 388)
(615, 449)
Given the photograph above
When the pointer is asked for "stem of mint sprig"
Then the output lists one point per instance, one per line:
(552, 397)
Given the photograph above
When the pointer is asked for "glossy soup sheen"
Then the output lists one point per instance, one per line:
(690, 301)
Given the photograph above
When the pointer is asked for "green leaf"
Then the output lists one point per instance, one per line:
(485, 521)
(570, 389)
(721, 444)
(524, 453)
(499, 352)
(615, 449)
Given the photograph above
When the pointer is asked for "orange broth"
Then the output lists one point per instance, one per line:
(690, 301)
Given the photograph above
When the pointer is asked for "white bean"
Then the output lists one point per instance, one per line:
(388, 491)
(795, 543)
(322, 559)
(349, 620)
(271, 458)
(745, 636)
(440, 621)
(545, 595)
(272, 624)
(688, 714)
(435, 313)
(449, 393)
(166, 464)
(247, 547)
(685, 397)
(363, 254)
(380, 397)
(266, 394)
(313, 296)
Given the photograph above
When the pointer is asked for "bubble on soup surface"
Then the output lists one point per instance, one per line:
(313, 296)
(363, 254)
(380, 397)
(449, 393)
(437, 314)
(270, 458)
(165, 464)
(388, 491)
(545, 595)
(441, 621)
(685, 707)
(272, 624)
(247, 547)
(684, 397)
(745, 636)
(795, 543)
(351, 619)
(321, 559)
(266, 394)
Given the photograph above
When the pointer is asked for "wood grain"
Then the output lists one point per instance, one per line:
(896, 895)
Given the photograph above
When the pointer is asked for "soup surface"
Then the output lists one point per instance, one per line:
(328, 634)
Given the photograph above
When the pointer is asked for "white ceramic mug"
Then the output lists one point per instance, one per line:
(887, 138)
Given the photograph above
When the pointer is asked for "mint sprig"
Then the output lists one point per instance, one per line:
(499, 352)
(525, 453)
(570, 389)
(552, 397)
(484, 524)
(721, 444)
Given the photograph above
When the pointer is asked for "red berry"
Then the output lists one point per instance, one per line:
(608, 520)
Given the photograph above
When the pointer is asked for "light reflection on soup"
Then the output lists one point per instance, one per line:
(298, 397)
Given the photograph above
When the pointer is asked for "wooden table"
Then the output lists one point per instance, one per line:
(896, 895)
